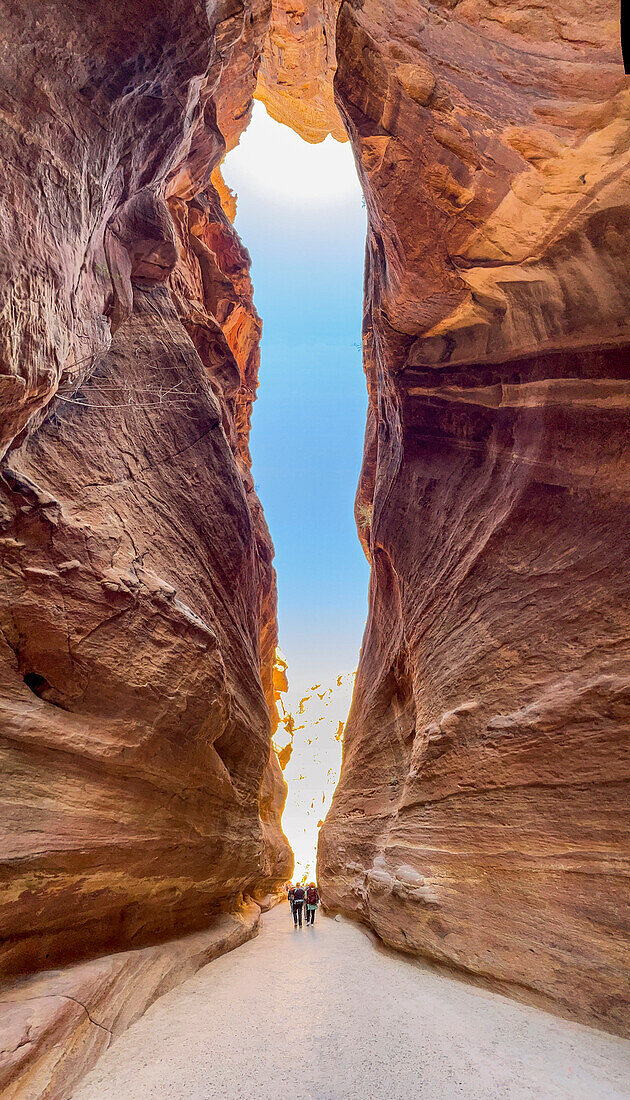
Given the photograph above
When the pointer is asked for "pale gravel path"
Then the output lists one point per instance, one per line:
(376, 1026)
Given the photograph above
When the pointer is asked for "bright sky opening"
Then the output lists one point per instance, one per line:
(274, 164)
(312, 773)
(300, 213)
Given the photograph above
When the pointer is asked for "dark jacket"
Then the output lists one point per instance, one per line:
(299, 894)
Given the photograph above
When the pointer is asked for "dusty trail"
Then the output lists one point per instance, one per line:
(321, 1013)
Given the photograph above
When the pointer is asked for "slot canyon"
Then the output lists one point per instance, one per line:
(481, 816)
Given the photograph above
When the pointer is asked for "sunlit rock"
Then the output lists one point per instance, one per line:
(482, 812)
(295, 80)
(137, 609)
(486, 752)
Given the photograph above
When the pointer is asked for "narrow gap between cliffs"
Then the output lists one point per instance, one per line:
(301, 214)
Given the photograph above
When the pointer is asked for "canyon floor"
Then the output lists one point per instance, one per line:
(322, 1012)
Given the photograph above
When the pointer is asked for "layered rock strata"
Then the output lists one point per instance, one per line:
(55, 1025)
(482, 812)
(137, 607)
(295, 79)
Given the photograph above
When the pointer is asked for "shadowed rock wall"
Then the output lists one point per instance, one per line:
(482, 812)
(295, 79)
(137, 607)
(481, 816)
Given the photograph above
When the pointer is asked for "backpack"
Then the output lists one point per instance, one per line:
(298, 894)
(312, 895)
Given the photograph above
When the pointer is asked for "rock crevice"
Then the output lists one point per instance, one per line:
(481, 813)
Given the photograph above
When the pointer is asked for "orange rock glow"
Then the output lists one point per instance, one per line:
(309, 743)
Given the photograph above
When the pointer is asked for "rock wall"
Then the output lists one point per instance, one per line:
(55, 1026)
(482, 814)
(137, 606)
(295, 79)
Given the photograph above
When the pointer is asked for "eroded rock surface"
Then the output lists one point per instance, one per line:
(482, 813)
(295, 80)
(55, 1025)
(137, 611)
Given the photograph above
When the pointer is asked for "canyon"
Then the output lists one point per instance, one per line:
(482, 812)
(481, 815)
(138, 596)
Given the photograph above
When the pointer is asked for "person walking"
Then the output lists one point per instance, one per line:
(290, 893)
(312, 901)
(299, 894)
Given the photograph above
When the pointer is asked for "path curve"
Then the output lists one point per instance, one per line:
(322, 1014)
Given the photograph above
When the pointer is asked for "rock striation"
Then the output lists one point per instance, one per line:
(482, 812)
(137, 603)
(295, 79)
(481, 817)
(55, 1025)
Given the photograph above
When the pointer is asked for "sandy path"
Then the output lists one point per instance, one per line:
(321, 1013)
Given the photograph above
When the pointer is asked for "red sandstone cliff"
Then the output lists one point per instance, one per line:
(137, 607)
(482, 812)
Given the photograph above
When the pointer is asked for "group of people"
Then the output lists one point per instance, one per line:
(303, 898)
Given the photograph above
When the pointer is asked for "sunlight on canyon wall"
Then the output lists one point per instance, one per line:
(309, 743)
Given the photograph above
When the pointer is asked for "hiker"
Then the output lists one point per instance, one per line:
(290, 893)
(312, 901)
(299, 894)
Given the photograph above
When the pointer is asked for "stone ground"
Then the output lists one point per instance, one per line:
(322, 1013)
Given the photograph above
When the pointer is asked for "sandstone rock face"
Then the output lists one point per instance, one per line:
(55, 1025)
(137, 606)
(295, 80)
(482, 812)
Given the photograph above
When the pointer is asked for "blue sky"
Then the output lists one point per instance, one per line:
(301, 216)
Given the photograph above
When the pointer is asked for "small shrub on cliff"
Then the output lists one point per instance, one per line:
(364, 516)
